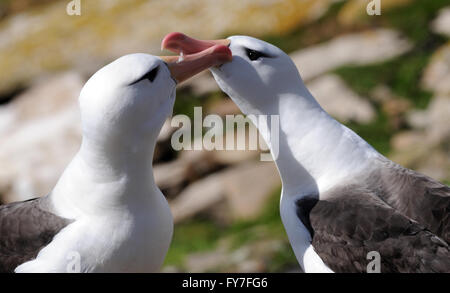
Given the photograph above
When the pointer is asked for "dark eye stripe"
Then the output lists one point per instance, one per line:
(255, 55)
(151, 75)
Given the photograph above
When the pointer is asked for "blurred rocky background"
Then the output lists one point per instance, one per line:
(387, 77)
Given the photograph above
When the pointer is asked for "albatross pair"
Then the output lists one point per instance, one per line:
(105, 213)
(340, 199)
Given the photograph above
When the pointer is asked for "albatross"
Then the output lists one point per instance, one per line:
(106, 213)
(341, 200)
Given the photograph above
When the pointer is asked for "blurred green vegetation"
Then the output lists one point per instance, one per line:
(203, 235)
(414, 20)
(187, 100)
(402, 74)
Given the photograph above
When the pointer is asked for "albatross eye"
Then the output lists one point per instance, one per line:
(255, 55)
(151, 75)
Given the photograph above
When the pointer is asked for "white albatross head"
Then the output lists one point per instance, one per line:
(258, 73)
(127, 99)
(126, 102)
(123, 107)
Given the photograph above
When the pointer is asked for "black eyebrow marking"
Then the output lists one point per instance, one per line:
(257, 53)
(150, 75)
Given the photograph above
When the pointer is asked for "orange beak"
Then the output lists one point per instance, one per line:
(196, 55)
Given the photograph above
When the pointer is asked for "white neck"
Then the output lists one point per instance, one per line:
(315, 152)
(105, 176)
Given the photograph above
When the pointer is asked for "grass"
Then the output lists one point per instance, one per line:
(190, 237)
(402, 74)
(187, 100)
(414, 19)
(200, 235)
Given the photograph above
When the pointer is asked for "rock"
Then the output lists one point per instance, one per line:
(203, 262)
(382, 93)
(202, 83)
(432, 161)
(205, 158)
(248, 187)
(242, 190)
(198, 197)
(354, 49)
(224, 107)
(436, 165)
(435, 120)
(255, 256)
(441, 25)
(233, 157)
(436, 76)
(340, 101)
(394, 106)
(425, 148)
(251, 266)
(108, 29)
(170, 174)
(395, 109)
(192, 165)
(40, 131)
(249, 258)
(407, 140)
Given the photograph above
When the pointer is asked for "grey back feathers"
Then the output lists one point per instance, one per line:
(415, 195)
(25, 228)
(401, 214)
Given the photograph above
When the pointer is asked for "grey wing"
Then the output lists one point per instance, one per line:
(25, 228)
(353, 221)
(415, 195)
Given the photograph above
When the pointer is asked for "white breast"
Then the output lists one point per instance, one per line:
(300, 238)
(118, 241)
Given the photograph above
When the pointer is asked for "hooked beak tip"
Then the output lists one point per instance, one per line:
(196, 55)
(171, 40)
(178, 42)
(186, 66)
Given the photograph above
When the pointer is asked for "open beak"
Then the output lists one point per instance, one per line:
(195, 56)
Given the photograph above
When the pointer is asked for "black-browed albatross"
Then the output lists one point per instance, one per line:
(105, 213)
(340, 199)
